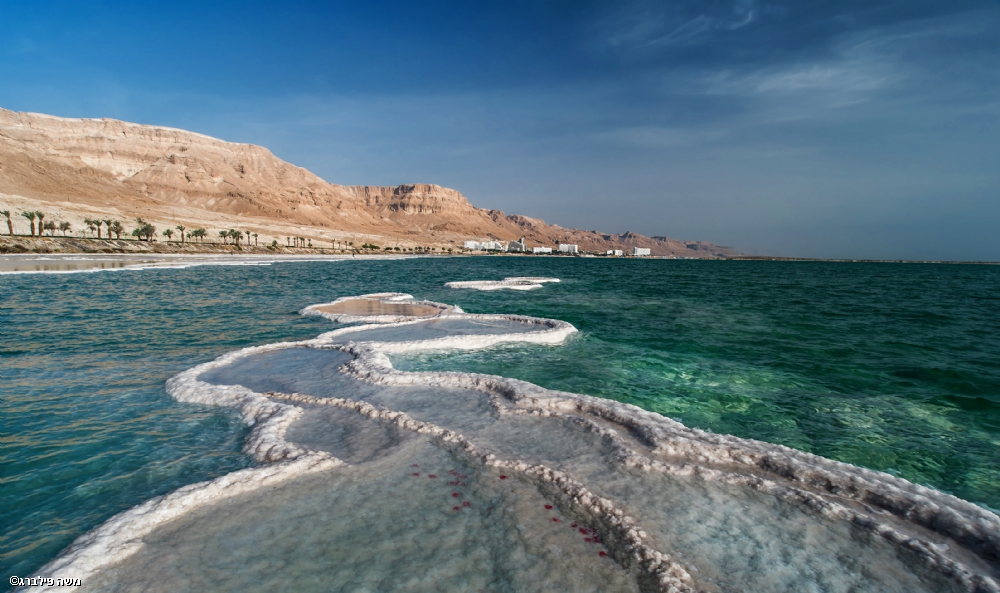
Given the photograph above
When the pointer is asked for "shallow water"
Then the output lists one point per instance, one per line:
(889, 366)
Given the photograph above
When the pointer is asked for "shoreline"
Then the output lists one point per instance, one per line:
(25, 245)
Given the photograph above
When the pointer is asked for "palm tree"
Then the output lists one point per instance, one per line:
(248, 237)
(93, 225)
(50, 227)
(169, 234)
(31, 220)
(199, 234)
(144, 229)
(117, 228)
(107, 222)
(181, 228)
(64, 226)
(236, 235)
(40, 216)
(10, 225)
(224, 235)
(255, 239)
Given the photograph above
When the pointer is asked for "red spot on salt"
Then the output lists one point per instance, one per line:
(415, 465)
(555, 519)
(587, 539)
(454, 494)
(432, 476)
(416, 473)
(596, 540)
(583, 531)
(463, 477)
(503, 477)
(548, 507)
(573, 525)
(602, 554)
(456, 508)
(466, 504)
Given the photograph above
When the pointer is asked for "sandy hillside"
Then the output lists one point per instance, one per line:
(72, 169)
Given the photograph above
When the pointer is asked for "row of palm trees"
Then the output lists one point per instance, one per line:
(146, 231)
(115, 227)
(31, 215)
(236, 236)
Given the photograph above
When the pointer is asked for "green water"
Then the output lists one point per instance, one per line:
(891, 366)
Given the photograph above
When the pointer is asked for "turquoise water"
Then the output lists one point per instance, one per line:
(890, 366)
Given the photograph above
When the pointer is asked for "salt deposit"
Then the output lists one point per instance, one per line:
(512, 283)
(377, 478)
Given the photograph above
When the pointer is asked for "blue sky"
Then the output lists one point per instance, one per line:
(825, 129)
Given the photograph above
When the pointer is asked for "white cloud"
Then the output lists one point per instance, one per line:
(643, 26)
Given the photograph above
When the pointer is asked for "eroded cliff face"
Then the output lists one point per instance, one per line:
(141, 170)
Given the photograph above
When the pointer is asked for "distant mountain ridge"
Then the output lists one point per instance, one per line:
(163, 173)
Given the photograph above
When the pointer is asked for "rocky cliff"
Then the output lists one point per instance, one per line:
(112, 168)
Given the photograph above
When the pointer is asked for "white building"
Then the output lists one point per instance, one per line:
(517, 246)
(615, 252)
(484, 246)
(541, 250)
(566, 248)
(640, 251)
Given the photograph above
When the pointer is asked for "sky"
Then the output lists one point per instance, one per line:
(820, 128)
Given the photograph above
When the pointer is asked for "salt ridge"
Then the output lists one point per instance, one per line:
(892, 508)
(511, 283)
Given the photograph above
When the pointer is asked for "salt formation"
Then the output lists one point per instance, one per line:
(374, 478)
(512, 283)
(381, 307)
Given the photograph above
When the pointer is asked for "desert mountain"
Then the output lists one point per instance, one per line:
(79, 168)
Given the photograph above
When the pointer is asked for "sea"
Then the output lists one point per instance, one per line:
(888, 366)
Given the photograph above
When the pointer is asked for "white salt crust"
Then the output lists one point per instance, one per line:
(886, 506)
(121, 536)
(512, 283)
(555, 332)
(831, 488)
(385, 297)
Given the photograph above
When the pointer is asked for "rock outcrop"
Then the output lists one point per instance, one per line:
(105, 166)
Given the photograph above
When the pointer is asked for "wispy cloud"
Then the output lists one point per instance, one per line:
(643, 26)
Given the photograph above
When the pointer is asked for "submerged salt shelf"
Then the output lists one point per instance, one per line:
(378, 479)
(512, 283)
(382, 307)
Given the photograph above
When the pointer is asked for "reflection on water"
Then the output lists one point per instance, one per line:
(46, 264)
(57, 264)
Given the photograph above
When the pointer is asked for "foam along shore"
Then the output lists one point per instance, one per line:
(512, 283)
(380, 479)
(76, 263)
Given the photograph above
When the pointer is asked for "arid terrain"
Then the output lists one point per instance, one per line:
(78, 169)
